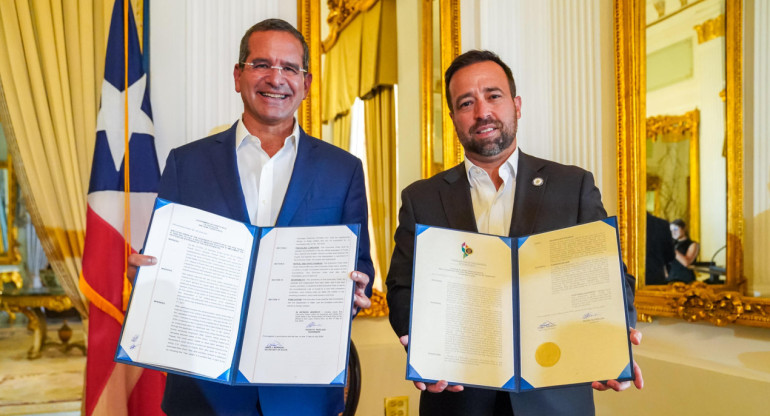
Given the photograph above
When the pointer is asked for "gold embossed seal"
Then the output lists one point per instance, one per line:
(547, 354)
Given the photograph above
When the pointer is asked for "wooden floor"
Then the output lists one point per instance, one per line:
(50, 385)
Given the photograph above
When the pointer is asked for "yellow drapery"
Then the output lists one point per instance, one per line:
(51, 67)
(363, 63)
(342, 72)
(380, 115)
(341, 130)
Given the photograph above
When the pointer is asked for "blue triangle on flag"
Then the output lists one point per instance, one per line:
(145, 170)
(114, 60)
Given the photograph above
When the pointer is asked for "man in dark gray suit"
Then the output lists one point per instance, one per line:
(478, 195)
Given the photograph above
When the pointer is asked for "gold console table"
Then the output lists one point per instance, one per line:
(29, 301)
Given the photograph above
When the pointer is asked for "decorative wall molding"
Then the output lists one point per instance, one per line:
(672, 124)
(341, 13)
(700, 302)
(379, 306)
(710, 29)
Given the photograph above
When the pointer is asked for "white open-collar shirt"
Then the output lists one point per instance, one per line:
(264, 179)
(493, 207)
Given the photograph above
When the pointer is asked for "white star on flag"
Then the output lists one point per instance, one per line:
(110, 117)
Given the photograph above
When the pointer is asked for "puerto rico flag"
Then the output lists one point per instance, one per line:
(118, 212)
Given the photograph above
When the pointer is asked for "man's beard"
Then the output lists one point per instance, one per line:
(489, 147)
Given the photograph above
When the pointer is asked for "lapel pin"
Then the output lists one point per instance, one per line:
(537, 181)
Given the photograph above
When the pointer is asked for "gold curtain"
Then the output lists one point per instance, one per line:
(362, 58)
(379, 58)
(51, 67)
(341, 130)
(380, 115)
(342, 73)
(363, 63)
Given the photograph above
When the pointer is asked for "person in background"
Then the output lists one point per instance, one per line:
(685, 252)
(660, 250)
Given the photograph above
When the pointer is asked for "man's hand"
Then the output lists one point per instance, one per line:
(360, 300)
(636, 339)
(438, 387)
(135, 260)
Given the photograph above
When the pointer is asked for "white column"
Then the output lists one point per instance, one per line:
(554, 50)
(576, 83)
(193, 48)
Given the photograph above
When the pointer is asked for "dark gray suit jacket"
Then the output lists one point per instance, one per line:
(567, 196)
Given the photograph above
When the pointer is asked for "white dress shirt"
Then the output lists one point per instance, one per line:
(493, 207)
(264, 179)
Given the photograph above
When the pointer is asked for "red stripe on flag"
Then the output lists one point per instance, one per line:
(117, 392)
(146, 397)
(103, 272)
(103, 259)
(103, 333)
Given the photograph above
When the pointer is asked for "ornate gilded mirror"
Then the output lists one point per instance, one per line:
(10, 255)
(440, 33)
(9, 247)
(680, 143)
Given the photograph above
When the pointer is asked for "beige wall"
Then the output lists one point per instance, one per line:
(696, 369)
(383, 367)
(689, 369)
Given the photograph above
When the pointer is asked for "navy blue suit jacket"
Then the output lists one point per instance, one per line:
(326, 188)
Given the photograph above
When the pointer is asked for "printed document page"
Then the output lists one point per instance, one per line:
(573, 326)
(185, 311)
(462, 315)
(298, 324)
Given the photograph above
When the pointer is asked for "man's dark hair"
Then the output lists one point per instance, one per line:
(679, 223)
(276, 25)
(471, 57)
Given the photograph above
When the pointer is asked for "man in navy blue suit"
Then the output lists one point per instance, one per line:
(266, 170)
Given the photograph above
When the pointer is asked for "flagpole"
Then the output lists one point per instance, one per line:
(127, 165)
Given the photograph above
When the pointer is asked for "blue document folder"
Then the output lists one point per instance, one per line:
(517, 314)
(204, 312)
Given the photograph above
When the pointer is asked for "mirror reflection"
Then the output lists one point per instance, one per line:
(440, 41)
(686, 169)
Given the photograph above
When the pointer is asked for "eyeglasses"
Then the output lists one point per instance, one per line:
(262, 69)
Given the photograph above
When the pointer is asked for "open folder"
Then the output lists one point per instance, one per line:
(236, 304)
(518, 314)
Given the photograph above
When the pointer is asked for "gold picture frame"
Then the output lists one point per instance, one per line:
(717, 304)
(449, 49)
(309, 24)
(10, 254)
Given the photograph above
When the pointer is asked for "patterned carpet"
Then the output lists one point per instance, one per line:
(52, 384)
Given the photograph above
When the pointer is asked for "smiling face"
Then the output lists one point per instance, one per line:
(270, 99)
(484, 114)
